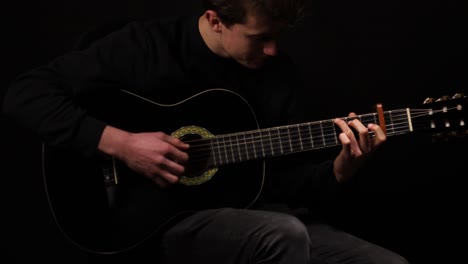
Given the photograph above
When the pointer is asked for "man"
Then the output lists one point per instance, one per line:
(232, 45)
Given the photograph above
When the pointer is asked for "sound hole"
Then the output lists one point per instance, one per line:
(199, 155)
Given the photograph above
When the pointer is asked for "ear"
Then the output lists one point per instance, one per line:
(213, 20)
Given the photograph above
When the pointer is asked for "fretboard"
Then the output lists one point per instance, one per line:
(283, 140)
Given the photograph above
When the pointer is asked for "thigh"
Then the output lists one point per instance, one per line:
(331, 245)
(235, 236)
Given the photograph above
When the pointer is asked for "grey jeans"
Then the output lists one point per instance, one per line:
(255, 236)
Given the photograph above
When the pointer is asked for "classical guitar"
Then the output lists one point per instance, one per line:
(102, 207)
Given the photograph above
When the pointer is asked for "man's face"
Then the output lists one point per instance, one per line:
(251, 43)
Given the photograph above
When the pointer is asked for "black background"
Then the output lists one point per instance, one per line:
(353, 54)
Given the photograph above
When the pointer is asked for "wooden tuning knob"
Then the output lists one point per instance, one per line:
(443, 98)
(428, 100)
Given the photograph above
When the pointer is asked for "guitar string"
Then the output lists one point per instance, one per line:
(224, 147)
(262, 136)
(294, 139)
(393, 126)
(202, 152)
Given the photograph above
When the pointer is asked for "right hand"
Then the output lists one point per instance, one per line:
(155, 155)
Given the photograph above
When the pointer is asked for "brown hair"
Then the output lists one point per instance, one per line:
(235, 11)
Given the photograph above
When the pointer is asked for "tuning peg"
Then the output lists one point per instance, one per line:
(443, 98)
(457, 96)
(428, 100)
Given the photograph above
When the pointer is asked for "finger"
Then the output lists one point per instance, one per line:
(176, 142)
(346, 145)
(164, 177)
(177, 155)
(174, 168)
(363, 132)
(165, 169)
(160, 182)
(176, 149)
(169, 150)
(380, 136)
(348, 132)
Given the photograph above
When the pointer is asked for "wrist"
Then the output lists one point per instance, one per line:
(112, 141)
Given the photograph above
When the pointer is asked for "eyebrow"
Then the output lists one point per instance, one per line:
(260, 35)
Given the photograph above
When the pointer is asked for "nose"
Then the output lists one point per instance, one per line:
(270, 48)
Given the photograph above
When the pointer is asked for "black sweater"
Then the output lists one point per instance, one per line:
(167, 61)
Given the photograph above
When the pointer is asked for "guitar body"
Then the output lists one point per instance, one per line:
(102, 212)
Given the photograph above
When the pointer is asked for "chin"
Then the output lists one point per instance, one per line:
(254, 64)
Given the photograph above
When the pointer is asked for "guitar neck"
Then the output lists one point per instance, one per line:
(284, 140)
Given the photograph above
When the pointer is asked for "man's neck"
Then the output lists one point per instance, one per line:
(210, 37)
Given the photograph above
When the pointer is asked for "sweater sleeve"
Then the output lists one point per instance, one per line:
(43, 99)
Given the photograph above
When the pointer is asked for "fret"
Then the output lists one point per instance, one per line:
(271, 142)
(258, 144)
(335, 133)
(266, 143)
(365, 120)
(321, 133)
(238, 147)
(217, 152)
(249, 142)
(224, 149)
(300, 137)
(231, 148)
(317, 135)
(243, 147)
(329, 133)
(391, 121)
(290, 138)
(221, 149)
(295, 138)
(374, 119)
(389, 124)
(253, 144)
(277, 147)
(212, 155)
(305, 135)
(285, 140)
(310, 135)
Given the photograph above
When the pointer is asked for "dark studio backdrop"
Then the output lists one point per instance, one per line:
(353, 54)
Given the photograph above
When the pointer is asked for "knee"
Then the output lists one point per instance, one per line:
(390, 258)
(287, 228)
(281, 237)
(398, 260)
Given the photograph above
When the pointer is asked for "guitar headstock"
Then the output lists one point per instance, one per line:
(448, 116)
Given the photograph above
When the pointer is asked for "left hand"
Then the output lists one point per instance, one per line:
(355, 150)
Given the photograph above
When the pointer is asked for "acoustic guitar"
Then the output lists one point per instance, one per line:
(103, 207)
